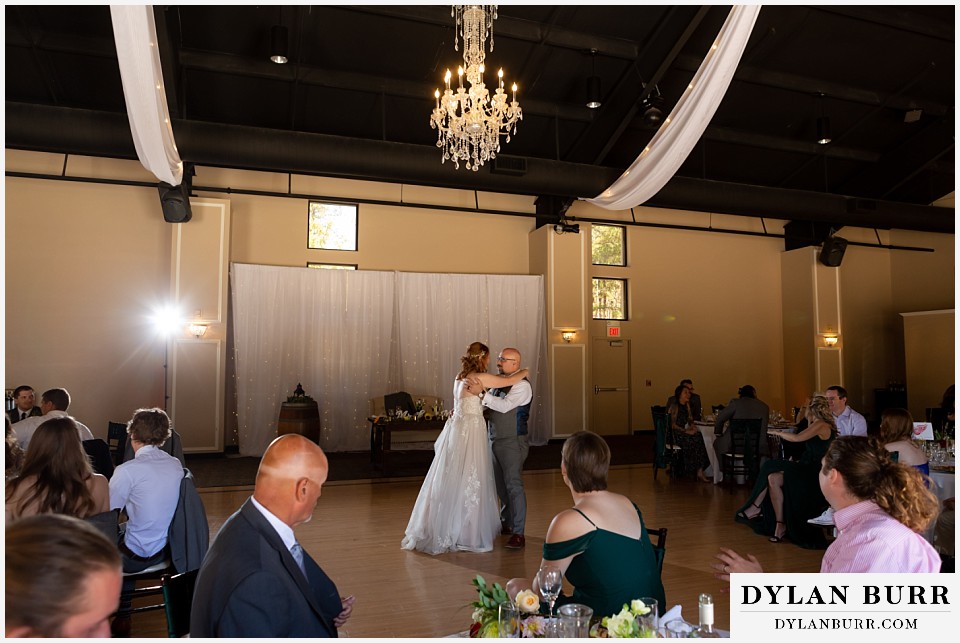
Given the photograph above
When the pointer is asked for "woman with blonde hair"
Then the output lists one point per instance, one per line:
(881, 508)
(56, 476)
(896, 435)
(786, 494)
(456, 509)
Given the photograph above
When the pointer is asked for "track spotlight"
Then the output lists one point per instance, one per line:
(278, 44)
(823, 130)
(593, 92)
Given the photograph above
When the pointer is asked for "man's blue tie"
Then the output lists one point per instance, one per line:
(297, 552)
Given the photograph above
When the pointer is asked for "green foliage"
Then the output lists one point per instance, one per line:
(332, 226)
(609, 298)
(608, 243)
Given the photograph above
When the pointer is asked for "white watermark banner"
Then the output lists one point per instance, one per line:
(856, 607)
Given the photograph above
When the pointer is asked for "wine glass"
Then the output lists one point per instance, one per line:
(550, 581)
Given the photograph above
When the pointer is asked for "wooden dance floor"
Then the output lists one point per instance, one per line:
(356, 531)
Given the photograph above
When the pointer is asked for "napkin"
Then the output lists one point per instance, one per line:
(672, 614)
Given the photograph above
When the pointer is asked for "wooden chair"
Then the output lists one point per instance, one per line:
(107, 523)
(666, 453)
(744, 455)
(117, 440)
(177, 600)
(100, 457)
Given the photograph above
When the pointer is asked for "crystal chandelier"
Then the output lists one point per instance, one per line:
(469, 121)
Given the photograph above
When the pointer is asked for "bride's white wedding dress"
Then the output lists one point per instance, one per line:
(457, 506)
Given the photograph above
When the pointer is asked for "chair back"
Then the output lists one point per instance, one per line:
(117, 440)
(402, 401)
(658, 538)
(745, 444)
(100, 457)
(661, 427)
(177, 600)
(107, 523)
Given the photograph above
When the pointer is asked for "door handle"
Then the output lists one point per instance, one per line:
(609, 389)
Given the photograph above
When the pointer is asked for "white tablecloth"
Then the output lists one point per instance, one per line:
(706, 430)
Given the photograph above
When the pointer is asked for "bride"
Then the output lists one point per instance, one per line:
(457, 506)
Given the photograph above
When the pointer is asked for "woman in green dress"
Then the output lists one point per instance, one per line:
(787, 493)
(601, 544)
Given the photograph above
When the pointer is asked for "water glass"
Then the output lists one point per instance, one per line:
(650, 622)
(678, 629)
(575, 621)
(508, 620)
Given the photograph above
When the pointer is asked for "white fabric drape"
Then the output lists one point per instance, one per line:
(349, 336)
(135, 34)
(681, 130)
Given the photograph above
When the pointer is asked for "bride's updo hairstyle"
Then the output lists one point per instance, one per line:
(586, 457)
(473, 360)
(869, 473)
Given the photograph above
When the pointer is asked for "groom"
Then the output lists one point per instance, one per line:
(508, 410)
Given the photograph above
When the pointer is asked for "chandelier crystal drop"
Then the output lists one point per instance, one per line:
(469, 121)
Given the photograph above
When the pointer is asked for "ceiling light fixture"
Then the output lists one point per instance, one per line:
(823, 125)
(469, 122)
(593, 84)
(278, 44)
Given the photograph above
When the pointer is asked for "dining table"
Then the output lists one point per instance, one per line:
(709, 437)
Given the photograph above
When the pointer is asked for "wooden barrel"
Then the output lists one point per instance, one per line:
(302, 418)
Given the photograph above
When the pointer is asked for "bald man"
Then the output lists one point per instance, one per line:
(256, 580)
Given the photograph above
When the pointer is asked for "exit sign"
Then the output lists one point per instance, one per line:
(613, 329)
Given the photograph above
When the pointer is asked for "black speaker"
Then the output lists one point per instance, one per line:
(175, 202)
(831, 254)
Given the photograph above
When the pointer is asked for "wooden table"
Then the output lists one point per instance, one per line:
(380, 430)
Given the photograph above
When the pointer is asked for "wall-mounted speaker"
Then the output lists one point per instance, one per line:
(831, 254)
(175, 202)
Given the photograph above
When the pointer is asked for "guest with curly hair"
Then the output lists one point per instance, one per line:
(56, 476)
(881, 509)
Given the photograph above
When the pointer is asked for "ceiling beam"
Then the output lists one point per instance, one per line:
(895, 18)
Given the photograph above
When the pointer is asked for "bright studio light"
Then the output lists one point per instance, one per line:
(167, 321)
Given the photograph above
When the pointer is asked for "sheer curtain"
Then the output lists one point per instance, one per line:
(348, 336)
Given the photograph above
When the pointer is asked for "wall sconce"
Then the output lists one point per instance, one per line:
(568, 335)
(830, 340)
(197, 330)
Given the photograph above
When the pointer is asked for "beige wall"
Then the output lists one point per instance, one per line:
(86, 262)
(929, 346)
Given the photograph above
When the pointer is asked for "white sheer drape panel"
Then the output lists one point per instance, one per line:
(135, 35)
(681, 130)
(329, 330)
(349, 336)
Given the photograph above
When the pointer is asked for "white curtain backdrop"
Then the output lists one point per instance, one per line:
(681, 130)
(135, 34)
(349, 336)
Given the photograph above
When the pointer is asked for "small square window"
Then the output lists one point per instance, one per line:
(332, 226)
(609, 244)
(332, 266)
(609, 298)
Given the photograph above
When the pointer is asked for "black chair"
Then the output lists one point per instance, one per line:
(117, 440)
(744, 455)
(177, 600)
(401, 401)
(717, 408)
(659, 544)
(107, 523)
(666, 453)
(100, 457)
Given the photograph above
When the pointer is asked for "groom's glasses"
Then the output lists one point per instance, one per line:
(506, 359)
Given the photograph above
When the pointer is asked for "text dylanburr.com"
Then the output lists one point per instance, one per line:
(847, 607)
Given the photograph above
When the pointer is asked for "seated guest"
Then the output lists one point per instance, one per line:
(687, 436)
(256, 580)
(53, 404)
(147, 488)
(696, 407)
(56, 476)
(881, 509)
(62, 579)
(786, 493)
(601, 544)
(14, 453)
(23, 397)
(746, 407)
(848, 421)
(896, 435)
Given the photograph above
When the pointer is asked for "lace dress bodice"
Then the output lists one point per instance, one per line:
(465, 403)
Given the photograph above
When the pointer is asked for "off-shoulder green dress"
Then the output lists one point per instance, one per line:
(611, 569)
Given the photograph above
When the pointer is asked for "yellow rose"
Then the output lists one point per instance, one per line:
(528, 602)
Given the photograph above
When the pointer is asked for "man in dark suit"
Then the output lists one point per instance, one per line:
(24, 397)
(256, 580)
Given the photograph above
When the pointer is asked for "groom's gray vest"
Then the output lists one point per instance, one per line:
(511, 423)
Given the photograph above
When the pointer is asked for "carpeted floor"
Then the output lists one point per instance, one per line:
(235, 471)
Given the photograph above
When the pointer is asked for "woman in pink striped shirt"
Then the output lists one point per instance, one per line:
(880, 509)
